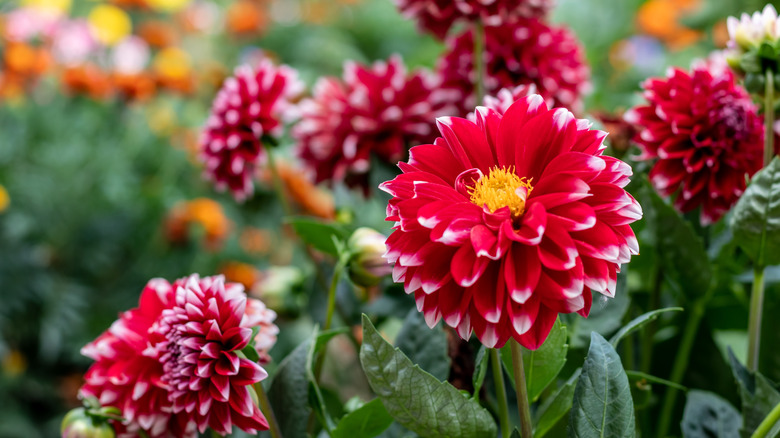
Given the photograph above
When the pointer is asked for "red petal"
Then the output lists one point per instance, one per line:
(538, 333)
(466, 267)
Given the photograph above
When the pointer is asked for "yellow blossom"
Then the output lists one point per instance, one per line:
(62, 6)
(172, 63)
(4, 199)
(168, 5)
(110, 23)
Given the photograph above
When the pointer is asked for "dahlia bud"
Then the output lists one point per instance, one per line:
(752, 41)
(366, 264)
(78, 423)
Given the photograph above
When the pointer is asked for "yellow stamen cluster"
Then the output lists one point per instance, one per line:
(502, 188)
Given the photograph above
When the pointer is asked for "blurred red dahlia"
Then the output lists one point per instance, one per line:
(202, 336)
(518, 52)
(438, 16)
(247, 108)
(704, 133)
(377, 110)
(504, 223)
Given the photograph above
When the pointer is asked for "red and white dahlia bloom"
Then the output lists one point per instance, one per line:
(502, 224)
(260, 316)
(518, 52)
(250, 105)
(172, 364)
(705, 135)
(378, 110)
(438, 16)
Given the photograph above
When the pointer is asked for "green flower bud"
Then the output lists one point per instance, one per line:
(366, 264)
(80, 424)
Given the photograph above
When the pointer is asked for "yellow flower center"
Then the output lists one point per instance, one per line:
(501, 188)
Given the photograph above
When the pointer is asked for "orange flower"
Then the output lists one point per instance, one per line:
(127, 4)
(173, 70)
(243, 273)
(11, 85)
(661, 19)
(245, 17)
(157, 33)
(255, 241)
(203, 212)
(26, 60)
(138, 87)
(319, 12)
(310, 198)
(87, 79)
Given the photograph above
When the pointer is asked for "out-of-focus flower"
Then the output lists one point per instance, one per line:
(201, 16)
(245, 17)
(748, 32)
(203, 212)
(157, 33)
(173, 69)
(505, 98)
(621, 133)
(260, 316)
(705, 135)
(312, 200)
(54, 6)
(73, 43)
(26, 23)
(78, 424)
(242, 273)
(504, 223)
(26, 60)
(136, 87)
(378, 110)
(168, 6)
(640, 52)
(5, 200)
(438, 16)
(13, 363)
(662, 19)
(250, 106)
(11, 86)
(87, 79)
(200, 338)
(277, 285)
(109, 23)
(255, 241)
(518, 52)
(366, 265)
(130, 56)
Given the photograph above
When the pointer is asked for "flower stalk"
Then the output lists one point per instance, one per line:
(503, 406)
(754, 320)
(523, 404)
(265, 406)
(769, 117)
(766, 425)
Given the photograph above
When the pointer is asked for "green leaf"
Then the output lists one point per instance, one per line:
(318, 234)
(602, 399)
(368, 421)
(756, 218)
(416, 399)
(316, 399)
(480, 369)
(556, 407)
(759, 395)
(289, 393)
(638, 322)
(708, 415)
(636, 376)
(427, 347)
(542, 365)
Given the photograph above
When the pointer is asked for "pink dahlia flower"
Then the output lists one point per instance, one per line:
(518, 52)
(502, 224)
(249, 106)
(438, 16)
(704, 134)
(379, 110)
(258, 315)
(202, 334)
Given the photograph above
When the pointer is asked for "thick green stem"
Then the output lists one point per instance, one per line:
(766, 425)
(498, 378)
(479, 63)
(523, 404)
(754, 321)
(265, 407)
(681, 363)
(769, 117)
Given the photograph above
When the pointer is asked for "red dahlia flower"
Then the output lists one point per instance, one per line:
(518, 52)
(504, 223)
(377, 110)
(704, 132)
(438, 16)
(202, 334)
(247, 108)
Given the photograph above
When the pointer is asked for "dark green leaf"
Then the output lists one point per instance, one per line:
(708, 415)
(758, 394)
(602, 399)
(756, 219)
(556, 407)
(289, 393)
(318, 234)
(416, 399)
(424, 346)
(480, 369)
(543, 365)
(638, 322)
(368, 421)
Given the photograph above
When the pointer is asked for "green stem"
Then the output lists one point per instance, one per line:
(769, 117)
(523, 405)
(265, 406)
(479, 63)
(754, 321)
(334, 282)
(498, 378)
(681, 362)
(277, 180)
(766, 425)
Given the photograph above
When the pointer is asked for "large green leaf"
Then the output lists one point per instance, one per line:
(416, 399)
(427, 347)
(638, 322)
(317, 233)
(708, 415)
(556, 407)
(602, 399)
(756, 219)
(368, 421)
(759, 395)
(541, 366)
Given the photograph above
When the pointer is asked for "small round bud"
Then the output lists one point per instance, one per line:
(79, 424)
(366, 264)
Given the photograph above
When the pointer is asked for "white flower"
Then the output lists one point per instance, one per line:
(751, 31)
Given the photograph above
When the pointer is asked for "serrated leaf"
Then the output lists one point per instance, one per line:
(542, 365)
(708, 415)
(427, 347)
(556, 407)
(416, 399)
(602, 398)
(756, 218)
(368, 421)
(759, 395)
(638, 322)
(318, 234)
(480, 369)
